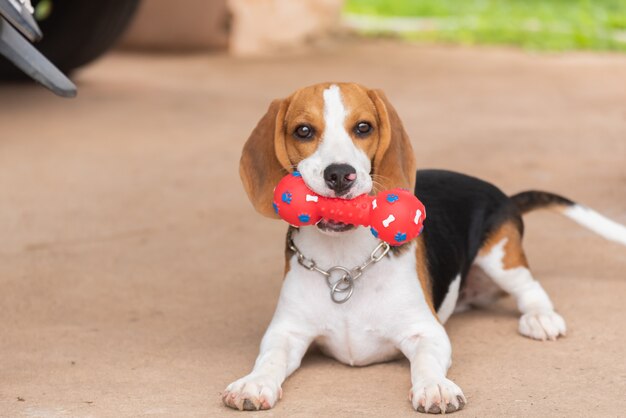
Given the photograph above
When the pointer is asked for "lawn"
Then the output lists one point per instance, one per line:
(533, 24)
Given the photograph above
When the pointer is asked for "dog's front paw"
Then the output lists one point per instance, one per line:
(542, 325)
(437, 397)
(252, 392)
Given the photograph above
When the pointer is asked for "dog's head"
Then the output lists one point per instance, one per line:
(343, 138)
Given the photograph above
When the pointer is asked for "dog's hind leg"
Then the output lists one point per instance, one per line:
(502, 258)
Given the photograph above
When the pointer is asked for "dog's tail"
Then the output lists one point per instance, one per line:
(589, 218)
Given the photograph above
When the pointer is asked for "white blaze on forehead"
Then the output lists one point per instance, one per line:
(336, 147)
(334, 113)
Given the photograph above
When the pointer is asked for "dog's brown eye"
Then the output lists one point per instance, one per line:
(303, 132)
(363, 129)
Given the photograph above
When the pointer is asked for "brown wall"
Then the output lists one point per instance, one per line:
(257, 27)
(179, 25)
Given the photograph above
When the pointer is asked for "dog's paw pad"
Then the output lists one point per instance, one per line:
(437, 397)
(542, 325)
(248, 405)
(252, 393)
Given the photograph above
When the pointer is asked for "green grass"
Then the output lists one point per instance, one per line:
(533, 24)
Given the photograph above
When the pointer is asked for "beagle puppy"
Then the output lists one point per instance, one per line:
(346, 140)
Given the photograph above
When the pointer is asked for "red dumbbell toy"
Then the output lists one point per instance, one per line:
(394, 216)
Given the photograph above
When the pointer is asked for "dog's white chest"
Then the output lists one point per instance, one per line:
(358, 334)
(365, 329)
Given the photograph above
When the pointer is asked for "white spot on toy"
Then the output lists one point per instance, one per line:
(418, 215)
(374, 204)
(389, 220)
(310, 198)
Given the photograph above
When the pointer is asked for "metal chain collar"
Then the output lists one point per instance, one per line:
(345, 283)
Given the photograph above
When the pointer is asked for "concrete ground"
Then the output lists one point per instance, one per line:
(136, 279)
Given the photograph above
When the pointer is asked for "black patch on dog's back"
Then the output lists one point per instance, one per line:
(461, 212)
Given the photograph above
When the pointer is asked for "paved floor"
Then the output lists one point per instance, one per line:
(136, 279)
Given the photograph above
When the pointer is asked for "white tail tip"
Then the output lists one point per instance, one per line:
(599, 224)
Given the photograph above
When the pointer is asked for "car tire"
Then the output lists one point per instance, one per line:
(77, 32)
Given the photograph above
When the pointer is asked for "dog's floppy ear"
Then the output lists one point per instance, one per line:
(394, 162)
(264, 159)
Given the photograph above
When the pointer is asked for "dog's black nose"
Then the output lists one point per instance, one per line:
(339, 177)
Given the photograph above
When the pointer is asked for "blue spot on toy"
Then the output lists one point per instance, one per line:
(392, 197)
(374, 232)
(303, 217)
(275, 207)
(287, 197)
(296, 174)
(400, 237)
